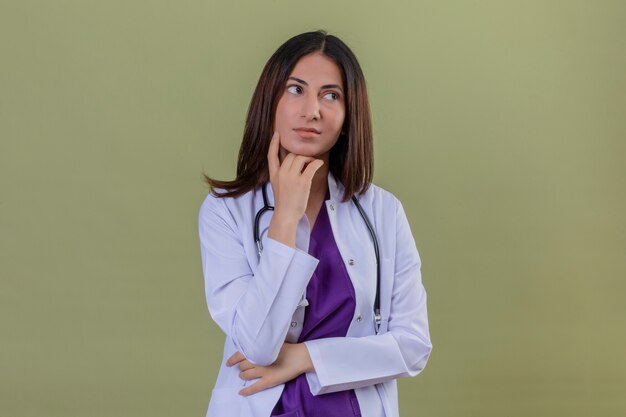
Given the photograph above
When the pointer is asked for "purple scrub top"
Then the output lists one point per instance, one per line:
(331, 307)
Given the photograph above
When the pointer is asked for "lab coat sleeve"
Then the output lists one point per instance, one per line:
(343, 363)
(254, 309)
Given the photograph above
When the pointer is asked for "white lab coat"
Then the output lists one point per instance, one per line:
(260, 303)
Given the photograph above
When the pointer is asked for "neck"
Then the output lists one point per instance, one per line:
(319, 185)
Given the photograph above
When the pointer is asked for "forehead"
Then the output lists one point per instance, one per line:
(317, 69)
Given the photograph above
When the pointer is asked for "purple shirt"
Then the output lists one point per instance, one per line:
(331, 306)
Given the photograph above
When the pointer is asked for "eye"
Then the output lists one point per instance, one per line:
(291, 89)
(336, 96)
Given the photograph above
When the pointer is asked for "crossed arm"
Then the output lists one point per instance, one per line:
(293, 360)
(254, 310)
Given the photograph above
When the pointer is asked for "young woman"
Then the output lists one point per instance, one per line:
(310, 269)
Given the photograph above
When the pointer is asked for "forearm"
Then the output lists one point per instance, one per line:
(253, 308)
(263, 313)
(283, 229)
(353, 362)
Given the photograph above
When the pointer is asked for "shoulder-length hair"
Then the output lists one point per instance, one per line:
(350, 159)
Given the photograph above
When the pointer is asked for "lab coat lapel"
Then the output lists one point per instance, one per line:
(356, 249)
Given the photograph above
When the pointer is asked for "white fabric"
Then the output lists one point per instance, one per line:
(254, 301)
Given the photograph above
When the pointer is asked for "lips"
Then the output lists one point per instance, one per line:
(307, 129)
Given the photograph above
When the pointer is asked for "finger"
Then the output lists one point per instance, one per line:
(235, 358)
(251, 373)
(254, 388)
(246, 364)
(287, 161)
(298, 164)
(272, 154)
(310, 170)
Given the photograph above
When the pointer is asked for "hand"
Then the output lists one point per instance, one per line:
(293, 360)
(290, 184)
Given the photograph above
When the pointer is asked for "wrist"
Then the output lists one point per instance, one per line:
(283, 230)
(307, 364)
(285, 218)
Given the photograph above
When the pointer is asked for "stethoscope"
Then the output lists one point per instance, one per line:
(257, 239)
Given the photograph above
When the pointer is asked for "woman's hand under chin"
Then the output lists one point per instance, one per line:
(293, 360)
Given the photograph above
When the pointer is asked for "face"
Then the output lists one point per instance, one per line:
(313, 98)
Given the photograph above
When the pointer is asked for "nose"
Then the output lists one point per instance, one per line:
(311, 107)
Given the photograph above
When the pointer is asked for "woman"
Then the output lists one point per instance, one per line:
(297, 306)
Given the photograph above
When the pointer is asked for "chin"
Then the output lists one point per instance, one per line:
(305, 149)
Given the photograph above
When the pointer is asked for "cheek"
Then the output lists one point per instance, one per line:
(338, 120)
(283, 111)
(278, 117)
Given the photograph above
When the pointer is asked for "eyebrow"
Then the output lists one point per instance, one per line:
(324, 86)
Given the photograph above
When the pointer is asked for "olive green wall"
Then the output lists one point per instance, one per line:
(500, 125)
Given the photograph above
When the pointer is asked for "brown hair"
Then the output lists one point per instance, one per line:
(350, 159)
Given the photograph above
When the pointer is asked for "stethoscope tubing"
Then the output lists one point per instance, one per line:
(370, 228)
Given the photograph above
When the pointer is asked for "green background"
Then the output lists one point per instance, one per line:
(500, 125)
